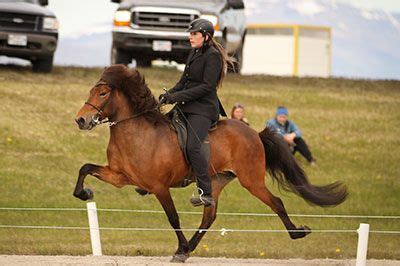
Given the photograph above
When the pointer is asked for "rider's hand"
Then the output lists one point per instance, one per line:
(167, 98)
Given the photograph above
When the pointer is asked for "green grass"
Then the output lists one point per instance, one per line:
(351, 126)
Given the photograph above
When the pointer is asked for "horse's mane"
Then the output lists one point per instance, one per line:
(133, 86)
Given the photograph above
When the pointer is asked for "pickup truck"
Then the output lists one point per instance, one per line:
(28, 31)
(145, 30)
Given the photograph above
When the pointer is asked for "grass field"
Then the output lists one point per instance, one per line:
(352, 127)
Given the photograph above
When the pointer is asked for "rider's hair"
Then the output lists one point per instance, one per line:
(227, 61)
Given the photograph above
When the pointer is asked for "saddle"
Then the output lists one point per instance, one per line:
(178, 123)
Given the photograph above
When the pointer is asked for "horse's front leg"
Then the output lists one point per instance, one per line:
(182, 253)
(103, 173)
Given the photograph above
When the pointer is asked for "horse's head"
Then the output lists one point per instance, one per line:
(120, 91)
(97, 106)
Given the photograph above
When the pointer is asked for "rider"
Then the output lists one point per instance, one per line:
(196, 95)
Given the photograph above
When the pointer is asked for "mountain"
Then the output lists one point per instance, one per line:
(364, 42)
(86, 50)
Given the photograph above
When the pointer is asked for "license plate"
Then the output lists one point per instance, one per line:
(165, 46)
(17, 40)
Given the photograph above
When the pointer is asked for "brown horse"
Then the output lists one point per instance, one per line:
(143, 151)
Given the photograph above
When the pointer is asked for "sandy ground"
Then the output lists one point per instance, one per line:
(114, 260)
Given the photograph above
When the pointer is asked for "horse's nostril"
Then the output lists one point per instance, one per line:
(80, 121)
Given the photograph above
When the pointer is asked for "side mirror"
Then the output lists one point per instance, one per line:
(116, 1)
(236, 4)
(43, 2)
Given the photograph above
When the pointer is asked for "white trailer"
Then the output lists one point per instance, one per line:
(287, 50)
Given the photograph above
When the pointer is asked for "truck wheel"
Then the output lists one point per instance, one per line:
(119, 56)
(44, 65)
(237, 66)
(143, 62)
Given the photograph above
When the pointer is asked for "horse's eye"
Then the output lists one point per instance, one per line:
(102, 94)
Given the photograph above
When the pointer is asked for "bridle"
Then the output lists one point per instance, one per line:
(96, 118)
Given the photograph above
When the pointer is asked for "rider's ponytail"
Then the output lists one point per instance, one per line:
(227, 61)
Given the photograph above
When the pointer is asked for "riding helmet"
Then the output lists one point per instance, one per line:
(201, 25)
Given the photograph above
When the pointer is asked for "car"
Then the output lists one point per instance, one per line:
(28, 30)
(145, 30)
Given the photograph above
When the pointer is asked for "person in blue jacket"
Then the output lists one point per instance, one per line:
(290, 133)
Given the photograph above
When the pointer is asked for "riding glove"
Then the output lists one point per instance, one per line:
(167, 98)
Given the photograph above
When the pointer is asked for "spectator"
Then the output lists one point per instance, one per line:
(290, 133)
(238, 113)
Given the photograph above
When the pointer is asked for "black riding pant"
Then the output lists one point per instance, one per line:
(197, 128)
(302, 147)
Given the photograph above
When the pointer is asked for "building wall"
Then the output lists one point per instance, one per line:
(314, 53)
(287, 50)
(268, 55)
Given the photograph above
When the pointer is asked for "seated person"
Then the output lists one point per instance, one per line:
(238, 113)
(290, 133)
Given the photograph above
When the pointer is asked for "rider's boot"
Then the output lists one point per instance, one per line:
(204, 188)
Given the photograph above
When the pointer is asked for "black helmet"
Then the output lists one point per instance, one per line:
(201, 25)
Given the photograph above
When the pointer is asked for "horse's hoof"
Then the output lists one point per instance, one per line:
(85, 194)
(179, 258)
(142, 192)
(301, 232)
(307, 230)
(89, 193)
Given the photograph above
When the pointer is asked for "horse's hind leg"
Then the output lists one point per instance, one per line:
(103, 173)
(209, 213)
(259, 190)
(164, 197)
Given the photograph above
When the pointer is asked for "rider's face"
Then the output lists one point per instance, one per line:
(196, 39)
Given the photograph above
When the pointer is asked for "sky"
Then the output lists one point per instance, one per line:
(76, 16)
(387, 5)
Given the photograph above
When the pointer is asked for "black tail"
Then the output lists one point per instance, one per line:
(282, 166)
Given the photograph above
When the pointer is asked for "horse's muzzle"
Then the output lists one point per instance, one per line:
(84, 124)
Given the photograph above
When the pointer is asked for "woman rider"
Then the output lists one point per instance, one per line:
(196, 96)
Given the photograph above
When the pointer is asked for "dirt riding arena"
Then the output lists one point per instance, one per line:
(114, 260)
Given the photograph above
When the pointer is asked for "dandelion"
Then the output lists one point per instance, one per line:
(337, 250)
(262, 253)
(9, 139)
(206, 247)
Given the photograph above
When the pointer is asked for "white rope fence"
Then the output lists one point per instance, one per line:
(363, 231)
(344, 216)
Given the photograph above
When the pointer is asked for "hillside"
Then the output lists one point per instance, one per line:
(352, 127)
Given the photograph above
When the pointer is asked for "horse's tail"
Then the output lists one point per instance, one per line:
(282, 166)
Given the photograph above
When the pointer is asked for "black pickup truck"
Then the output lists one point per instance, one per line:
(145, 30)
(29, 31)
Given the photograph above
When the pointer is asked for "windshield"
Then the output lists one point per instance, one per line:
(20, 1)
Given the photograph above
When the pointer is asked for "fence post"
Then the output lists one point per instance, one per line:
(363, 232)
(94, 228)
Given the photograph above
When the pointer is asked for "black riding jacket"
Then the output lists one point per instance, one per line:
(196, 91)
